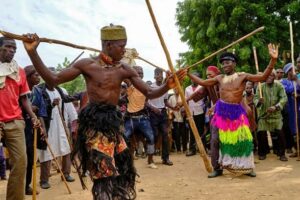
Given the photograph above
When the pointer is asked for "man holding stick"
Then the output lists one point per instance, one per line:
(100, 142)
(269, 115)
(236, 147)
(13, 90)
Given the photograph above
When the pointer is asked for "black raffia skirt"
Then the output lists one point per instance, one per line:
(103, 152)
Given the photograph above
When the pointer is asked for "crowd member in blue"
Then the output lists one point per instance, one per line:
(33, 78)
(289, 89)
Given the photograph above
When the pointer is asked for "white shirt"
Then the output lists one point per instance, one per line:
(173, 100)
(195, 107)
(160, 101)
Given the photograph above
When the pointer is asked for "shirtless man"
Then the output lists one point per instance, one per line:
(230, 117)
(102, 149)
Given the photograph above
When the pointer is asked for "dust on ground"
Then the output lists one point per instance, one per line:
(187, 180)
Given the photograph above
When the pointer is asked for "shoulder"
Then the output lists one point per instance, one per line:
(242, 74)
(127, 67)
(219, 77)
(80, 64)
(128, 71)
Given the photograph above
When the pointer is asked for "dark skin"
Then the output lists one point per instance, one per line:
(7, 53)
(32, 80)
(269, 82)
(159, 81)
(231, 84)
(279, 73)
(103, 84)
(201, 93)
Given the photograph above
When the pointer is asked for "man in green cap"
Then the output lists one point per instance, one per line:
(100, 144)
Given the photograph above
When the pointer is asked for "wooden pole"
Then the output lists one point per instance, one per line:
(67, 132)
(54, 41)
(151, 63)
(295, 91)
(230, 45)
(257, 71)
(58, 167)
(47, 40)
(188, 112)
(34, 164)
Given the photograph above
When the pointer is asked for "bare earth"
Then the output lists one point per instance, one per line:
(187, 180)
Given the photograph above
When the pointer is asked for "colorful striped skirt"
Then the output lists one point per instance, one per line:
(236, 146)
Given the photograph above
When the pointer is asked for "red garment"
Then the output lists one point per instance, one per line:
(213, 69)
(9, 97)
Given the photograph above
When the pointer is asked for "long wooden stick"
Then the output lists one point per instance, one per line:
(295, 90)
(57, 165)
(47, 40)
(230, 45)
(54, 41)
(67, 132)
(151, 63)
(257, 71)
(34, 164)
(188, 112)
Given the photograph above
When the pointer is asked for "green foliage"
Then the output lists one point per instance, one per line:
(209, 25)
(76, 85)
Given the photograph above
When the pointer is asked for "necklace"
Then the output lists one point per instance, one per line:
(230, 78)
(108, 61)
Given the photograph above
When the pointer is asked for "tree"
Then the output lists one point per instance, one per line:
(76, 85)
(208, 25)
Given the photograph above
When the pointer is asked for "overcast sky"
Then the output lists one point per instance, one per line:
(79, 22)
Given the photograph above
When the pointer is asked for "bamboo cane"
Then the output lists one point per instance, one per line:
(34, 163)
(188, 112)
(230, 45)
(54, 41)
(57, 165)
(84, 187)
(257, 71)
(46, 40)
(151, 63)
(295, 91)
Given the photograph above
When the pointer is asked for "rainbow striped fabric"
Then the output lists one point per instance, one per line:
(236, 146)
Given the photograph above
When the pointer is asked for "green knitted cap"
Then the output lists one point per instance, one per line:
(113, 32)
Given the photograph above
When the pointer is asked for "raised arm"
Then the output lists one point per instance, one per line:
(273, 52)
(207, 82)
(50, 78)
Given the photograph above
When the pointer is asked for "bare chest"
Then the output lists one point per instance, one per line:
(234, 82)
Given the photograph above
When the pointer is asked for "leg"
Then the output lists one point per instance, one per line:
(2, 164)
(200, 123)
(66, 167)
(262, 144)
(184, 135)
(45, 173)
(129, 127)
(214, 150)
(176, 127)
(214, 147)
(144, 126)
(29, 151)
(281, 145)
(163, 127)
(15, 141)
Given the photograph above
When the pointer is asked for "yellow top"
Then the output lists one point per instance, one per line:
(136, 100)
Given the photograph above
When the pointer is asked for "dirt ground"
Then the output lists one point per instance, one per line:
(187, 180)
